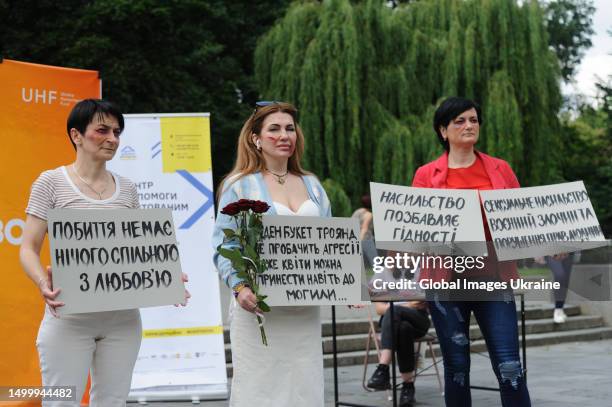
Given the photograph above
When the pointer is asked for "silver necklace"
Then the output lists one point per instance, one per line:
(280, 178)
(89, 185)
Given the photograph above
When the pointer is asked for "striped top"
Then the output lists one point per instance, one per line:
(54, 189)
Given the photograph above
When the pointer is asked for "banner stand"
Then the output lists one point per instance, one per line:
(36, 100)
(195, 393)
(182, 356)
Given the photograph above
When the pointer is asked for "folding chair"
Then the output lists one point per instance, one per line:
(428, 339)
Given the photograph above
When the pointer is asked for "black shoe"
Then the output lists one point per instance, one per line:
(406, 398)
(381, 379)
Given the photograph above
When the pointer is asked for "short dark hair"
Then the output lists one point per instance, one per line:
(448, 110)
(366, 201)
(84, 112)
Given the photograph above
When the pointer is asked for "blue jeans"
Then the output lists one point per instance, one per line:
(561, 270)
(498, 324)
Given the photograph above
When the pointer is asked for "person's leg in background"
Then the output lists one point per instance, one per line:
(451, 320)
(116, 351)
(498, 324)
(411, 323)
(369, 251)
(561, 268)
(380, 379)
(65, 348)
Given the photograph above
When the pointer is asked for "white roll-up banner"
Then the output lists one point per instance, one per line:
(168, 157)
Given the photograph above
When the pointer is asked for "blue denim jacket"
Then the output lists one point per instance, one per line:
(252, 186)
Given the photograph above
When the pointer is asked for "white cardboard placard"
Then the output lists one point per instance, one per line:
(438, 221)
(311, 261)
(114, 259)
(538, 221)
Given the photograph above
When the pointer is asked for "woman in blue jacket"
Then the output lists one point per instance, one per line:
(289, 371)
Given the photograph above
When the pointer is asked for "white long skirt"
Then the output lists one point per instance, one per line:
(287, 372)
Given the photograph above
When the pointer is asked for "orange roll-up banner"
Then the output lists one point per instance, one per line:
(34, 104)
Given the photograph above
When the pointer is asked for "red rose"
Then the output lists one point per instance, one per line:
(231, 209)
(244, 204)
(260, 207)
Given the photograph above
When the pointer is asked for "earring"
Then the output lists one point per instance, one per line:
(258, 145)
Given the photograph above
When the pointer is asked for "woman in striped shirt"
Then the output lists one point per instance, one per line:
(105, 342)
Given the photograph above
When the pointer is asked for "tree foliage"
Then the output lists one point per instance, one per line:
(153, 56)
(367, 77)
(587, 156)
(339, 201)
(569, 25)
(587, 152)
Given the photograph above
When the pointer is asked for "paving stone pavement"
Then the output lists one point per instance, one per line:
(570, 374)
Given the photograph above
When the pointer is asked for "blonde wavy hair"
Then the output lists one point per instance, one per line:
(249, 159)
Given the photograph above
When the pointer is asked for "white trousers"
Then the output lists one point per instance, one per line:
(103, 343)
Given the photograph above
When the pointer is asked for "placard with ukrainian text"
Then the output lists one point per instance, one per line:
(545, 220)
(311, 261)
(114, 259)
(437, 221)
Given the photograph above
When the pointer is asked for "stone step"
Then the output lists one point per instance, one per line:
(360, 325)
(537, 326)
(356, 326)
(357, 342)
(543, 339)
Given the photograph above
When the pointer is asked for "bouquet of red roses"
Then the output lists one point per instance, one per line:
(245, 259)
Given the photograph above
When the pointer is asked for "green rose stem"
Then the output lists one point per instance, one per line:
(248, 217)
(252, 270)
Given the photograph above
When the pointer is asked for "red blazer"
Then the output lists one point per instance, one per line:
(434, 174)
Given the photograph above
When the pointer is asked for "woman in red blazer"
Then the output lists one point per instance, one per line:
(457, 124)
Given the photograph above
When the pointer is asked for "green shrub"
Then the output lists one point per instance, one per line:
(340, 202)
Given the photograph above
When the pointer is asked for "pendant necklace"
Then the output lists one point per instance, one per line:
(89, 185)
(280, 178)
